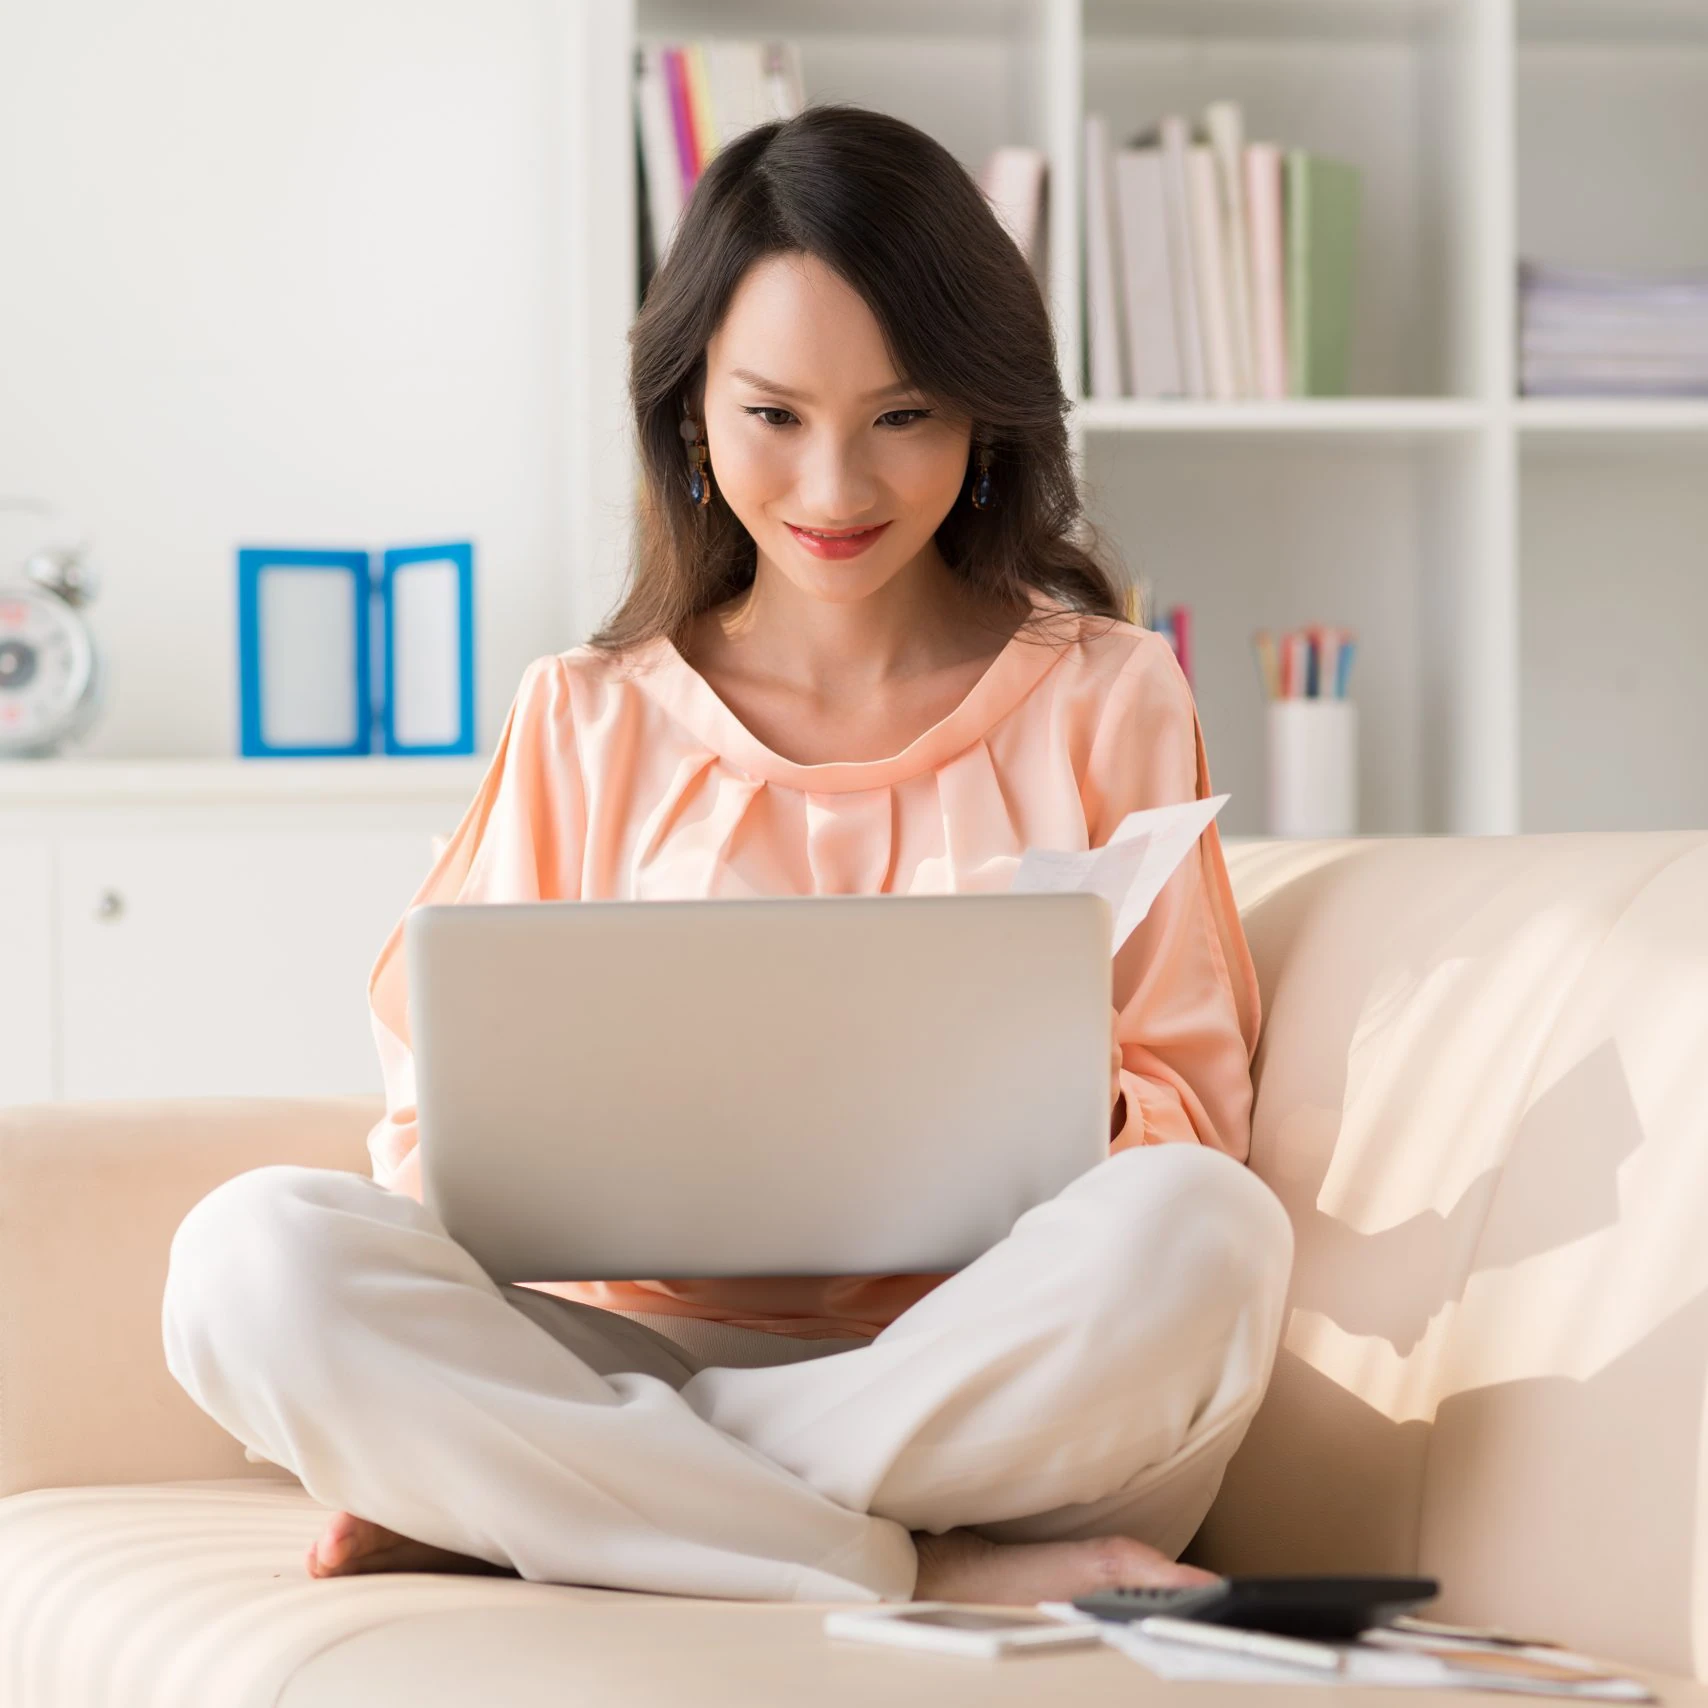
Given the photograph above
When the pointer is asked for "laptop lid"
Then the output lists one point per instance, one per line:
(823, 1085)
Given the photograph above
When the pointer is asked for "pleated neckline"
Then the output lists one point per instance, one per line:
(682, 691)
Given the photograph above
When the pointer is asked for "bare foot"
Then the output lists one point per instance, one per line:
(350, 1544)
(959, 1566)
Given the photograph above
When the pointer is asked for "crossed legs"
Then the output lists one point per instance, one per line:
(1088, 1376)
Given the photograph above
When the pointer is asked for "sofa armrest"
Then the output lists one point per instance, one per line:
(90, 1196)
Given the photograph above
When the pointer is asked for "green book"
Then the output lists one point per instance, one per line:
(1322, 239)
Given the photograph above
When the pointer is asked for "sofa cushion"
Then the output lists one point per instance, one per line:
(189, 1594)
(90, 1196)
(194, 1595)
(1482, 1098)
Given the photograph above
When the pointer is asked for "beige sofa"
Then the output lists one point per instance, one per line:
(1483, 1096)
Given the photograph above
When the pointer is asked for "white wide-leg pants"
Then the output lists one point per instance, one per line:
(1089, 1375)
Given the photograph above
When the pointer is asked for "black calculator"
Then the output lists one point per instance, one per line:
(1331, 1607)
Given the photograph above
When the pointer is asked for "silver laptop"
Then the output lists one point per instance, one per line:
(824, 1085)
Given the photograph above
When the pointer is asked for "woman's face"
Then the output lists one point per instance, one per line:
(809, 427)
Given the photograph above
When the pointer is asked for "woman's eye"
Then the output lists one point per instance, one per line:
(891, 418)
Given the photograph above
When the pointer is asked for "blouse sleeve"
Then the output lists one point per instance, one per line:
(520, 839)
(1187, 1009)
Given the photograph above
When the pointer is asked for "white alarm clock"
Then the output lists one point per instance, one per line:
(50, 668)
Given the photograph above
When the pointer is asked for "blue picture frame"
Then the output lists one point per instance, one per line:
(460, 555)
(252, 563)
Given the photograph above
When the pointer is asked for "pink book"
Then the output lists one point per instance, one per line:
(1268, 266)
(1180, 620)
(676, 84)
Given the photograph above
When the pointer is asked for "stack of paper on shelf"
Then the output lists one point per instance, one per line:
(1215, 267)
(1591, 333)
(690, 99)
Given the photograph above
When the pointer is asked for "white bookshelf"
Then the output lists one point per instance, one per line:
(1525, 576)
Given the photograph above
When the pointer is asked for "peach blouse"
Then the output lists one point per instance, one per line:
(618, 778)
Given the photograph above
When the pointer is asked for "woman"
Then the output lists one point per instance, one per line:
(861, 651)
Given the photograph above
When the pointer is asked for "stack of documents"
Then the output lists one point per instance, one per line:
(1589, 334)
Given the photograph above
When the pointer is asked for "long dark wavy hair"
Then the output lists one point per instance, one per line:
(892, 212)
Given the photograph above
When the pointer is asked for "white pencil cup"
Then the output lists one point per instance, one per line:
(1313, 767)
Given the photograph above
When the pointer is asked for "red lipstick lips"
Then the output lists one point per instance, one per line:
(839, 545)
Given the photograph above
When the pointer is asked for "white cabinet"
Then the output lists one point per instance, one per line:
(226, 962)
(26, 970)
(205, 928)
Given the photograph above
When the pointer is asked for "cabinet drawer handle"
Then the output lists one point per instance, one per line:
(110, 906)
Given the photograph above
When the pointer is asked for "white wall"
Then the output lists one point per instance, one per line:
(281, 273)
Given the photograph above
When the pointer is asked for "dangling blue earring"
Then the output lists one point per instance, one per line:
(981, 486)
(699, 475)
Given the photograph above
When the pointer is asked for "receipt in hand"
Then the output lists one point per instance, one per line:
(1129, 870)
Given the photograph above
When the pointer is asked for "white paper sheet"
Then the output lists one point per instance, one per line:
(1360, 1665)
(1129, 870)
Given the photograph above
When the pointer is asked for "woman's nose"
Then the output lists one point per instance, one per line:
(836, 488)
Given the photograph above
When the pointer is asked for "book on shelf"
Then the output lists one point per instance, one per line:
(1210, 275)
(1173, 138)
(1106, 324)
(690, 99)
(1264, 203)
(1015, 182)
(1176, 628)
(1174, 624)
(1215, 267)
(1322, 199)
(1143, 280)
(661, 175)
(1225, 125)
